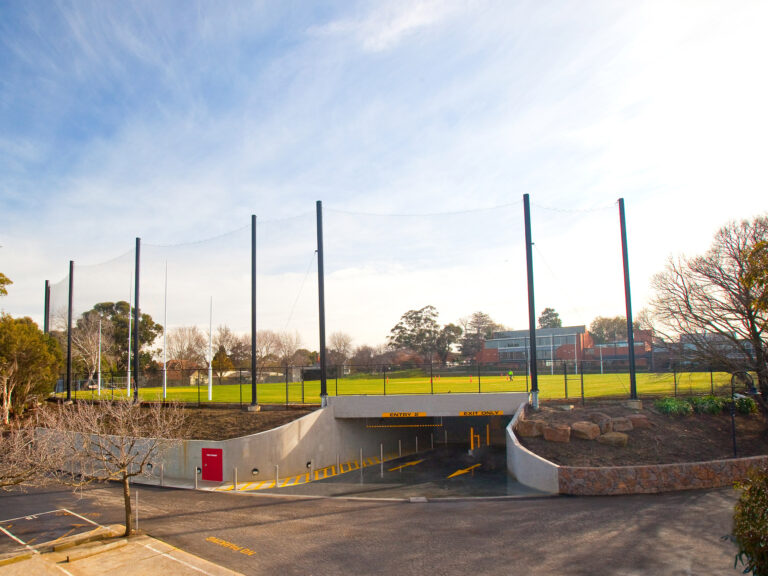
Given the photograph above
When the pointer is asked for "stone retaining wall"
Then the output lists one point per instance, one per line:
(583, 481)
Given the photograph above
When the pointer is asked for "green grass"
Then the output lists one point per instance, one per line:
(550, 387)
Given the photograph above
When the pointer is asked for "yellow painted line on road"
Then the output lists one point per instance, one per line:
(406, 465)
(464, 471)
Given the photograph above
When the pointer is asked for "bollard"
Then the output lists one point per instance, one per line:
(381, 458)
(432, 441)
(197, 471)
(338, 464)
(162, 468)
(361, 465)
(234, 478)
(137, 509)
(277, 476)
(417, 444)
(399, 448)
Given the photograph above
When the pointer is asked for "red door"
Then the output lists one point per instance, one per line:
(213, 464)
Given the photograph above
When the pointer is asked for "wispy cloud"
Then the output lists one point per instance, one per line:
(389, 23)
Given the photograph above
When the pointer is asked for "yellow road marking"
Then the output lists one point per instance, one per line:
(464, 471)
(403, 414)
(230, 546)
(406, 465)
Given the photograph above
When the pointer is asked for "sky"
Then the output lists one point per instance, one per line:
(418, 124)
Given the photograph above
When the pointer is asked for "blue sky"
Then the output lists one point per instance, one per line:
(174, 121)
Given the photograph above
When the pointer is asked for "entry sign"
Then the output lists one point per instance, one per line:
(403, 414)
(482, 413)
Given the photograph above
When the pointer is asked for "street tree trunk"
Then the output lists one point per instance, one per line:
(127, 502)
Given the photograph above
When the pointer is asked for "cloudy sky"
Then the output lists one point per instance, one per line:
(419, 124)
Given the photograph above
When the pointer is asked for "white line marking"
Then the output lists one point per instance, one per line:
(177, 560)
(83, 518)
(30, 516)
(65, 571)
(19, 540)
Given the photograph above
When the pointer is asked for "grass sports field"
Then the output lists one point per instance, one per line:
(550, 387)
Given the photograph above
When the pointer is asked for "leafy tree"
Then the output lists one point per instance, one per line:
(476, 330)
(4, 282)
(240, 353)
(750, 524)
(29, 363)
(417, 330)
(604, 329)
(221, 363)
(550, 319)
(714, 303)
(120, 313)
(446, 338)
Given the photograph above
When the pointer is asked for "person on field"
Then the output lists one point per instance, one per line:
(511, 375)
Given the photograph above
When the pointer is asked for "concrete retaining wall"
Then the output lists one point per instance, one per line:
(528, 468)
(318, 437)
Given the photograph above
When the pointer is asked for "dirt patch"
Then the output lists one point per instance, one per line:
(670, 439)
(224, 423)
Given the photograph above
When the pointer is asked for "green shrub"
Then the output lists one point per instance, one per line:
(746, 406)
(707, 404)
(673, 406)
(750, 524)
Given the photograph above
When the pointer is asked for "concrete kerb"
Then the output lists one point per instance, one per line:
(528, 468)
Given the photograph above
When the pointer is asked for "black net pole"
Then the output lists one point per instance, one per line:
(254, 396)
(321, 299)
(531, 306)
(47, 307)
(69, 332)
(628, 298)
(136, 355)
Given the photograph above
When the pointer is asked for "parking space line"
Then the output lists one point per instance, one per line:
(31, 516)
(82, 517)
(177, 560)
(19, 540)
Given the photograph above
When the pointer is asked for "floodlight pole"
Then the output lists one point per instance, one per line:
(69, 333)
(321, 298)
(130, 338)
(254, 397)
(98, 374)
(628, 298)
(136, 355)
(165, 333)
(210, 353)
(47, 308)
(531, 306)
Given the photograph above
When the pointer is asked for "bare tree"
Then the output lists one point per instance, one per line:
(340, 348)
(224, 337)
(112, 441)
(709, 304)
(267, 343)
(92, 340)
(187, 346)
(24, 455)
(286, 346)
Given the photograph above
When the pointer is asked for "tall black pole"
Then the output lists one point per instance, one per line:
(136, 316)
(47, 308)
(531, 306)
(69, 333)
(254, 399)
(321, 297)
(628, 298)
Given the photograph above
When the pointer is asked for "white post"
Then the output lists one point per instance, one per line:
(575, 356)
(234, 477)
(277, 476)
(599, 347)
(210, 353)
(552, 352)
(137, 509)
(417, 444)
(399, 448)
(98, 374)
(381, 458)
(165, 331)
(130, 300)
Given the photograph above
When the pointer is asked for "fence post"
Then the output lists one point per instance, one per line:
(581, 373)
(286, 386)
(478, 378)
(711, 381)
(565, 378)
(674, 378)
